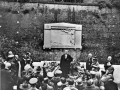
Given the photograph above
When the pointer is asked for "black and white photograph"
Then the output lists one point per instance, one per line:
(59, 44)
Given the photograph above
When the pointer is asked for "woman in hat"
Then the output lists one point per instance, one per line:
(33, 82)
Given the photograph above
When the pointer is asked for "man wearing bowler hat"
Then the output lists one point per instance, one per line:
(66, 59)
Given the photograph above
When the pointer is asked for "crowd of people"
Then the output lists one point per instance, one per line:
(69, 74)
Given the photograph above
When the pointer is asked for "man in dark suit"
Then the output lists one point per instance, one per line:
(66, 59)
(6, 78)
(110, 85)
(89, 62)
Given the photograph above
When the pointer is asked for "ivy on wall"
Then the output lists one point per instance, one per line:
(23, 31)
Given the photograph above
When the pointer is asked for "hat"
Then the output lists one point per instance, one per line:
(33, 80)
(92, 72)
(59, 84)
(24, 86)
(50, 74)
(16, 56)
(10, 54)
(27, 67)
(79, 80)
(102, 88)
(58, 72)
(14, 87)
(67, 88)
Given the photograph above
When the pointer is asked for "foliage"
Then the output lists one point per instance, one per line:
(28, 34)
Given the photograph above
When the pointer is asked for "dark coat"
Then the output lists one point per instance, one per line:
(110, 85)
(88, 64)
(6, 80)
(65, 64)
(106, 66)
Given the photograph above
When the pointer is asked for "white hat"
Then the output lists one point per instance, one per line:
(16, 56)
(92, 72)
(50, 74)
(59, 84)
(58, 72)
(27, 67)
(45, 78)
(67, 88)
(10, 54)
(15, 87)
(7, 65)
(33, 80)
(102, 88)
(79, 80)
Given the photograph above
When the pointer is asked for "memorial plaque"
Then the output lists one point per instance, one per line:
(62, 35)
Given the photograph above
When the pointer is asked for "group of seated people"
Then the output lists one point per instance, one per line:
(16, 76)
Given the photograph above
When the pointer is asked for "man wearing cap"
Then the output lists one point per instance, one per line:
(50, 84)
(56, 77)
(33, 82)
(89, 62)
(66, 59)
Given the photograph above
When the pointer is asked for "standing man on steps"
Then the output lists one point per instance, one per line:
(89, 62)
(65, 61)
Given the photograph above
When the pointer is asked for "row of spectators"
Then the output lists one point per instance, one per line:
(19, 74)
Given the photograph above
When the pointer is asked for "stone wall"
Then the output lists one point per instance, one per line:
(23, 24)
